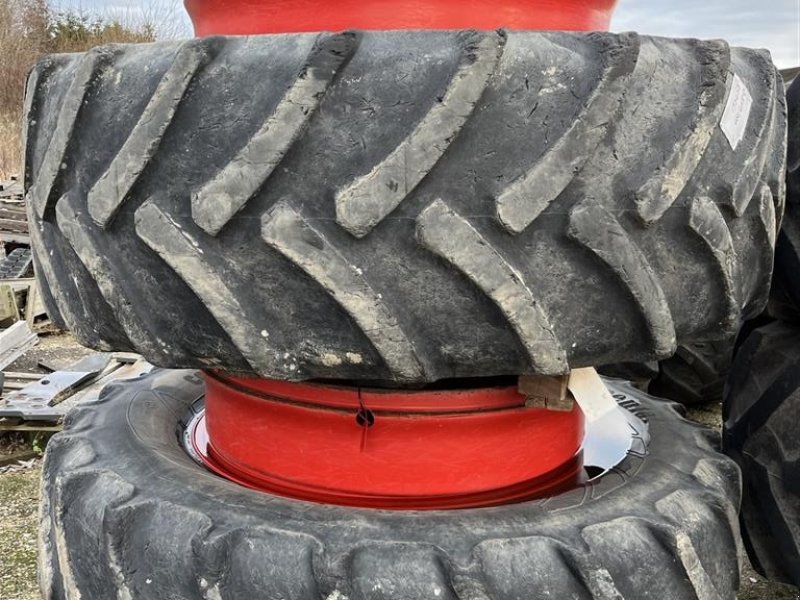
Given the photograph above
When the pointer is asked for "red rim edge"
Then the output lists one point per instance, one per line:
(235, 17)
(409, 450)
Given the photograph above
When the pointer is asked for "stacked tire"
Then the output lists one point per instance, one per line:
(396, 208)
(762, 399)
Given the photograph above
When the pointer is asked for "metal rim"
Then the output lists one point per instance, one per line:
(236, 17)
(606, 443)
(387, 448)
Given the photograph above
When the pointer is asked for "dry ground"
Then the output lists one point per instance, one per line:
(19, 498)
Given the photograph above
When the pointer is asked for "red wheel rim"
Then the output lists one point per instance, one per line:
(387, 449)
(228, 17)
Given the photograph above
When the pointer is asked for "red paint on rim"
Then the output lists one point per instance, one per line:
(387, 449)
(230, 17)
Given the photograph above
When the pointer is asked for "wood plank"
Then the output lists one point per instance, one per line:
(31, 302)
(14, 385)
(17, 425)
(15, 238)
(8, 303)
(14, 225)
(15, 341)
(18, 456)
(546, 391)
(19, 375)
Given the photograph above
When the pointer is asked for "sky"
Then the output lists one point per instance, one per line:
(771, 24)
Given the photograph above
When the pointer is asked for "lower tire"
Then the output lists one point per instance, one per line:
(127, 513)
(762, 403)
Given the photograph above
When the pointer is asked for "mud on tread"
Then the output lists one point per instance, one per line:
(160, 211)
(230, 542)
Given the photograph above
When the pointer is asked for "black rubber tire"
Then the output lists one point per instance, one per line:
(761, 411)
(787, 252)
(696, 374)
(404, 206)
(127, 513)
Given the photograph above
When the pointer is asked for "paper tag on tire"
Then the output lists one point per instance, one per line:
(591, 393)
(737, 112)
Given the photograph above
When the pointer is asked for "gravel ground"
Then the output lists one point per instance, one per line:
(19, 497)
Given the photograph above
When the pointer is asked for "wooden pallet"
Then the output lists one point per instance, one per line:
(13, 217)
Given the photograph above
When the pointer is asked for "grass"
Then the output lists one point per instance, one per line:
(19, 504)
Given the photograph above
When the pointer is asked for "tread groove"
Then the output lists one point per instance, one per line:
(525, 199)
(184, 256)
(450, 236)
(364, 203)
(111, 190)
(97, 263)
(45, 188)
(229, 191)
(30, 108)
(707, 222)
(660, 192)
(598, 230)
(287, 232)
(76, 314)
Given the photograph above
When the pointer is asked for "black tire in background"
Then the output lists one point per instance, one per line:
(128, 513)
(760, 431)
(787, 251)
(696, 374)
(405, 206)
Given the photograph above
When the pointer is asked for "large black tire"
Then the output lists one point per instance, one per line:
(127, 513)
(696, 374)
(405, 206)
(787, 253)
(761, 413)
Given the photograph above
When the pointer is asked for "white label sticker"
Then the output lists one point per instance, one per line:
(737, 112)
(591, 393)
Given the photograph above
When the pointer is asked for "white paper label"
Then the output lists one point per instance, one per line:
(591, 393)
(737, 112)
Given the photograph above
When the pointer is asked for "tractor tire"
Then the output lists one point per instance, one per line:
(406, 207)
(787, 251)
(761, 411)
(127, 513)
(696, 374)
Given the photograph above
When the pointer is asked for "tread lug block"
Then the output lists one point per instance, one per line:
(80, 504)
(162, 178)
(278, 564)
(631, 551)
(698, 517)
(413, 572)
(519, 569)
(80, 304)
(154, 570)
